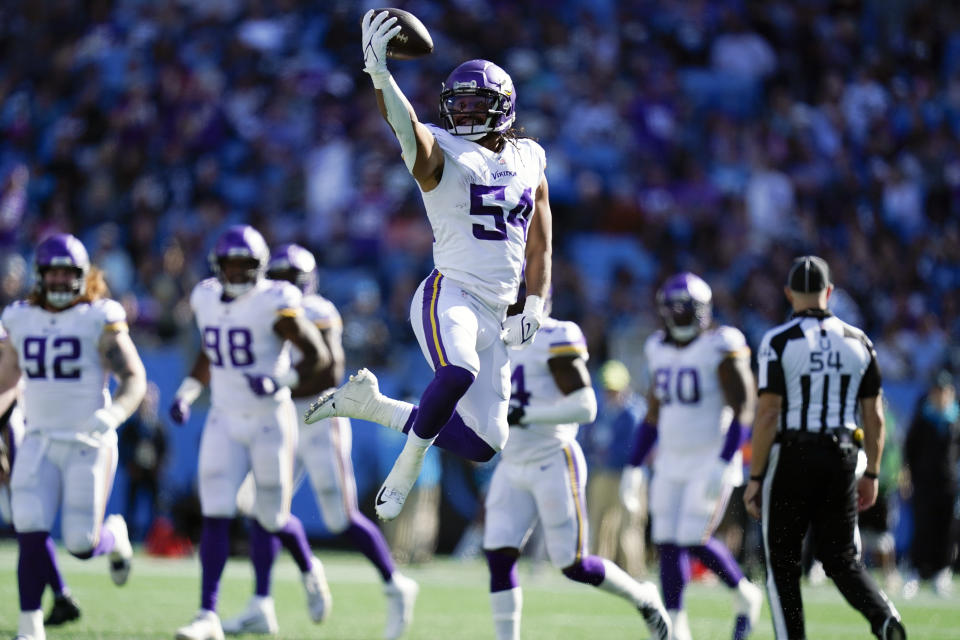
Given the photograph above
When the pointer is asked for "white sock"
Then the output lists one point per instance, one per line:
(681, 626)
(401, 413)
(31, 624)
(416, 442)
(619, 583)
(390, 413)
(506, 607)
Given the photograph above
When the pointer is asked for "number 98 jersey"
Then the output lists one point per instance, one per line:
(694, 416)
(238, 338)
(62, 372)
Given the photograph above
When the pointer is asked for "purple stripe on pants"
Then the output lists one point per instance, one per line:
(431, 320)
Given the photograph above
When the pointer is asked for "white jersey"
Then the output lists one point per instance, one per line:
(480, 212)
(533, 384)
(694, 416)
(239, 339)
(64, 377)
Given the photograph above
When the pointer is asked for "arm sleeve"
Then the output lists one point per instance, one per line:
(871, 382)
(770, 369)
(643, 443)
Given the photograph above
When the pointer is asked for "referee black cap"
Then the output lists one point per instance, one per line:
(809, 274)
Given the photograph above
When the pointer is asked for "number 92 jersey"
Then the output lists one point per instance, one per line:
(694, 416)
(63, 374)
(238, 337)
(480, 211)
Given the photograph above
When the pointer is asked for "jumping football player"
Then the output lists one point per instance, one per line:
(542, 475)
(65, 339)
(247, 324)
(700, 399)
(324, 452)
(486, 197)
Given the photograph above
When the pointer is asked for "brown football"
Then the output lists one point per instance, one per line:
(413, 41)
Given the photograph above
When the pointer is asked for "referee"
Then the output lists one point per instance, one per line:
(816, 373)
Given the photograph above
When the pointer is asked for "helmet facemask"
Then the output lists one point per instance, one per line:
(490, 110)
(65, 290)
(684, 304)
(238, 274)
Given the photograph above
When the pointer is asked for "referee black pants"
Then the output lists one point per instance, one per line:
(812, 485)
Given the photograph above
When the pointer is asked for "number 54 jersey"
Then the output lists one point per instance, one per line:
(694, 416)
(238, 337)
(480, 211)
(64, 377)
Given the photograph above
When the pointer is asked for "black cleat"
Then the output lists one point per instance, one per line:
(892, 629)
(65, 609)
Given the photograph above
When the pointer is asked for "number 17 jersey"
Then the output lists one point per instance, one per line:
(480, 213)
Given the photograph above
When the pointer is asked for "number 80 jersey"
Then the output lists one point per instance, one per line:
(480, 212)
(238, 338)
(694, 416)
(63, 374)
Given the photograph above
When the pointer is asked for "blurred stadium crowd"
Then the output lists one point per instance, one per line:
(720, 136)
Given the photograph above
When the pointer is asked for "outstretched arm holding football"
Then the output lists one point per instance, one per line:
(421, 152)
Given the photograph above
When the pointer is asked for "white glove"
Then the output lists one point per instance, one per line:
(104, 420)
(377, 30)
(631, 484)
(717, 478)
(519, 330)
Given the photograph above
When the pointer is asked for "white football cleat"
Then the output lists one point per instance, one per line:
(395, 489)
(205, 626)
(357, 398)
(260, 616)
(319, 598)
(401, 594)
(31, 626)
(122, 553)
(749, 600)
(654, 613)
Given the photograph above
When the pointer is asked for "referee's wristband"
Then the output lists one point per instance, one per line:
(870, 474)
(757, 478)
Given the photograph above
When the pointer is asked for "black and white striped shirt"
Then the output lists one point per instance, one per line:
(821, 366)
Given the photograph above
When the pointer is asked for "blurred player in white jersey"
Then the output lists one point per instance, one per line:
(323, 452)
(65, 607)
(486, 196)
(543, 475)
(65, 340)
(699, 403)
(247, 325)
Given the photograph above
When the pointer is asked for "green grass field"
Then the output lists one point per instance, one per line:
(163, 594)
